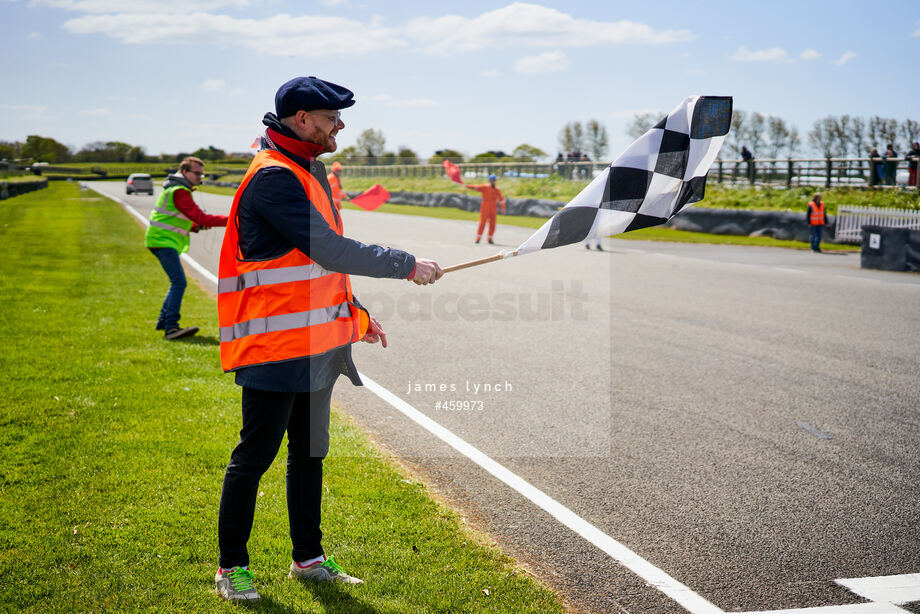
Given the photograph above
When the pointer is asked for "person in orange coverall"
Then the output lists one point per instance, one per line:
(488, 209)
(335, 186)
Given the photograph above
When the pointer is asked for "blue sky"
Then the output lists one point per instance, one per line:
(472, 76)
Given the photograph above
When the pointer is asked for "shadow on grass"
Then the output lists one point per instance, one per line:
(199, 340)
(334, 598)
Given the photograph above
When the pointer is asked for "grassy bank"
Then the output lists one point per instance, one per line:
(115, 441)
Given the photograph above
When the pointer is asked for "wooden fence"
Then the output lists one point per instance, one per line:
(789, 172)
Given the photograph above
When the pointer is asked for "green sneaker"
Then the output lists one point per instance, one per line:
(327, 571)
(235, 584)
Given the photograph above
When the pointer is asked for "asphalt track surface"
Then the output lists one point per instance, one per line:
(745, 419)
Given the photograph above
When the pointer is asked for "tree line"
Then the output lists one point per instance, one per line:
(766, 136)
(370, 149)
(45, 149)
(769, 136)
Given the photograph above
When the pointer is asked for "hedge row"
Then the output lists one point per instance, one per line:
(8, 189)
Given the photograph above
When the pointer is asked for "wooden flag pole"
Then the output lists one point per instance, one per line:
(471, 263)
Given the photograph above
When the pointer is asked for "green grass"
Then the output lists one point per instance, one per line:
(114, 444)
(216, 189)
(796, 199)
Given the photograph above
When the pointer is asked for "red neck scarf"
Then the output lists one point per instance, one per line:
(297, 147)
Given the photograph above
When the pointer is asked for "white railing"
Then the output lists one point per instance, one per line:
(850, 221)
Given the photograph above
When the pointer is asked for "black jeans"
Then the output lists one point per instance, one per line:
(266, 416)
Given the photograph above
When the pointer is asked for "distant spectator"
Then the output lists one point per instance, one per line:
(912, 157)
(748, 158)
(335, 185)
(891, 165)
(876, 167)
(817, 220)
(558, 165)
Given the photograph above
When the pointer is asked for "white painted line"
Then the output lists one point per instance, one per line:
(907, 585)
(813, 430)
(853, 608)
(677, 591)
(903, 588)
(632, 561)
(211, 277)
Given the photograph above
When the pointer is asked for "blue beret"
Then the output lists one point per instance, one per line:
(492, 177)
(309, 93)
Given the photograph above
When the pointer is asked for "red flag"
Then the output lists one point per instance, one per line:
(453, 171)
(255, 144)
(372, 197)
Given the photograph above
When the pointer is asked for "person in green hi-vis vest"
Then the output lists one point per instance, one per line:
(171, 220)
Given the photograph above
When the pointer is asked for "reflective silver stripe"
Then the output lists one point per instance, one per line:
(181, 231)
(265, 277)
(166, 211)
(287, 321)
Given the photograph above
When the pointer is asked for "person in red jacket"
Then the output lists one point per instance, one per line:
(488, 209)
(817, 220)
(335, 185)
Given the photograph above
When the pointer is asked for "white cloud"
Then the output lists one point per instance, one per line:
(551, 61)
(491, 74)
(404, 102)
(774, 54)
(316, 36)
(24, 108)
(334, 2)
(98, 112)
(809, 54)
(213, 85)
(521, 24)
(138, 6)
(35, 35)
(846, 57)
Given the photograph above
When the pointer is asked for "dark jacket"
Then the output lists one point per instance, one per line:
(911, 158)
(273, 217)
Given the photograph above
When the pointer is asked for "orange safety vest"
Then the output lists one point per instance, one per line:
(817, 214)
(335, 187)
(286, 307)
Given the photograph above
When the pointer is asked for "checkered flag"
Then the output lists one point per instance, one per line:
(658, 175)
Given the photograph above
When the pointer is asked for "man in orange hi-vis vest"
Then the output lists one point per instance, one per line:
(488, 209)
(335, 185)
(287, 320)
(817, 220)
